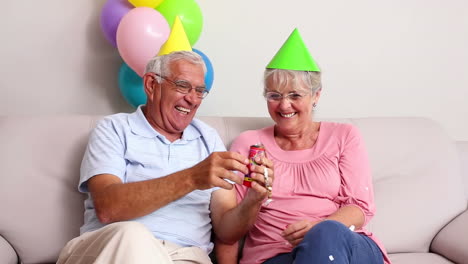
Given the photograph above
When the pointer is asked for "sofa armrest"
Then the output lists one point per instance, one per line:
(452, 241)
(462, 147)
(7, 253)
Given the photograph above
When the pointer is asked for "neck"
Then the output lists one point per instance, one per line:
(170, 136)
(298, 139)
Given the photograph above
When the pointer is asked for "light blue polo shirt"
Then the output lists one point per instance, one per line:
(127, 146)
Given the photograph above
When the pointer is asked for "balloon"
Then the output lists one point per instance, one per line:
(140, 35)
(188, 11)
(131, 86)
(209, 70)
(111, 14)
(148, 3)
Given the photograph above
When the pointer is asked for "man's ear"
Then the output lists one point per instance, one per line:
(148, 84)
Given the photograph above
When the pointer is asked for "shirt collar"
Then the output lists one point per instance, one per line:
(140, 126)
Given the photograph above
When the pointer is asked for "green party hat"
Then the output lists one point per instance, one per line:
(293, 55)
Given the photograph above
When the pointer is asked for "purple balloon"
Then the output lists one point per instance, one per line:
(112, 13)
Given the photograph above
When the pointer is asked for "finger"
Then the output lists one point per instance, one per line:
(295, 235)
(236, 156)
(271, 172)
(259, 189)
(260, 179)
(287, 243)
(292, 228)
(240, 167)
(296, 242)
(225, 179)
(264, 161)
(232, 176)
(230, 161)
(261, 170)
(234, 163)
(223, 184)
(257, 177)
(268, 177)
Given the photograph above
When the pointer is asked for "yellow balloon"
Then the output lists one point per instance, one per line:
(147, 3)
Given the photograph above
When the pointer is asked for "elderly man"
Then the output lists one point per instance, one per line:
(159, 180)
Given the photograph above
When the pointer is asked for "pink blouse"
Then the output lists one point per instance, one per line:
(309, 184)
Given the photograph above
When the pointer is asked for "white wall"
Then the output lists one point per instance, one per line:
(379, 58)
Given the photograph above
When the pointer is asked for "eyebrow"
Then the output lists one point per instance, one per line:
(185, 81)
(276, 91)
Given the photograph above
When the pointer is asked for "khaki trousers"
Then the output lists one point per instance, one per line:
(128, 242)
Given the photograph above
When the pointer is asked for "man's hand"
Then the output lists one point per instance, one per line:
(295, 232)
(217, 167)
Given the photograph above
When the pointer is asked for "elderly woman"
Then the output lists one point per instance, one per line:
(322, 192)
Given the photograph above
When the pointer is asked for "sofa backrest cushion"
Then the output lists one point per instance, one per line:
(417, 181)
(41, 208)
(462, 147)
(418, 186)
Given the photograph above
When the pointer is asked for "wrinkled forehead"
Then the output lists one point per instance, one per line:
(187, 71)
(284, 81)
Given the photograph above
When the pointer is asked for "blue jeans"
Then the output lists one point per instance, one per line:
(331, 242)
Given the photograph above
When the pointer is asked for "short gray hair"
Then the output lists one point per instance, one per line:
(282, 78)
(159, 64)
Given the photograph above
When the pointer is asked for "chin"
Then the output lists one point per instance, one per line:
(181, 125)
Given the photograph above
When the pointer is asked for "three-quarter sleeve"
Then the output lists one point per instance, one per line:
(356, 180)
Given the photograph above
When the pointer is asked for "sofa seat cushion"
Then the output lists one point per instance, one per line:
(426, 258)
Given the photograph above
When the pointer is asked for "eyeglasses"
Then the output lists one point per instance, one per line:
(292, 97)
(185, 87)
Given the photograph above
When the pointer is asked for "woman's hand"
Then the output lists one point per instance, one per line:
(295, 232)
(258, 191)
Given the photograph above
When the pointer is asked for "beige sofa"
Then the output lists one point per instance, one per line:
(420, 185)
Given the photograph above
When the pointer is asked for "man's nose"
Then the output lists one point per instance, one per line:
(192, 96)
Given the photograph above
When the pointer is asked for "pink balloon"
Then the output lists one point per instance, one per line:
(140, 35)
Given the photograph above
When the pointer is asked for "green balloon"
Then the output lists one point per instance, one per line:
(189, 13)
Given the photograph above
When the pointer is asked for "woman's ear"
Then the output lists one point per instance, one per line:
(317, 96)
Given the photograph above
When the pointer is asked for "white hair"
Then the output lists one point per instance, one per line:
(160, 64)
(281, 78)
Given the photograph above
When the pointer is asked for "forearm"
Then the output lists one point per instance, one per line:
(348, 215)
(120, 202)
(226, 253)
(237, 221)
